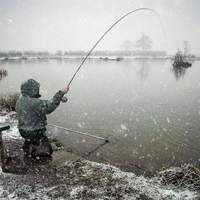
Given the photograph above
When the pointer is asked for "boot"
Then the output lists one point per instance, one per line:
(44, 149)
(27, 148)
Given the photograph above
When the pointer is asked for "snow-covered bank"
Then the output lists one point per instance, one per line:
(86, 180)
(82, 179)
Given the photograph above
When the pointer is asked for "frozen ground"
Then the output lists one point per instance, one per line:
(85, 180)
(71, 179)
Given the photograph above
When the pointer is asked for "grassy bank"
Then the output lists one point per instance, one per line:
(8, 102)
(84, 180)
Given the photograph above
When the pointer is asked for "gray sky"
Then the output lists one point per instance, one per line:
(77, 24)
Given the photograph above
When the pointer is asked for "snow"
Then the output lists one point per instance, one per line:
(154, 121)
(10, 119)
(168, 120)
(123, 127)
(79, 125)
(75, 191)
(90, 180)
(12, 133)
(10, 20)
(125, 135)
(105, 182)
(86, 114)
(141, 185)
(3, 119)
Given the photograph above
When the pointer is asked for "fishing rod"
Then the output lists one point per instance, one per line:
(64, 99)
(80, 133)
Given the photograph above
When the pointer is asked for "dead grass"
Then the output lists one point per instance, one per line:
(186, 176)
(8, 102)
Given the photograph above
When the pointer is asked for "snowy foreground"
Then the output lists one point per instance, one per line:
(85, 180)
(82, 179)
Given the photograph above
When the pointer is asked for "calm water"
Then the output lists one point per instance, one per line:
(150, 112)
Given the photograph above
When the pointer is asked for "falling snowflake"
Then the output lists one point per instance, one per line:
(153, 140)
(86, 114)
(137, 120)
(97, 154)
(168, 120)
(123, 127)
(125, 135)
(10, 21)
(79, 125)
(154, 121)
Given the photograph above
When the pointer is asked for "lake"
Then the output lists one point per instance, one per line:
(149, 111)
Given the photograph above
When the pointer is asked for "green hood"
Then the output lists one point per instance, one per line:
(30, 88)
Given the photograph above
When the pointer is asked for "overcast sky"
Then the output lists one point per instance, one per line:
(77, 24)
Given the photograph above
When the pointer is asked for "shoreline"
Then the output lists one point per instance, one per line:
(70, 177)
(103, 58)
(87, 180)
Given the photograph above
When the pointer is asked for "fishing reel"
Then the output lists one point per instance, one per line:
(64, 99)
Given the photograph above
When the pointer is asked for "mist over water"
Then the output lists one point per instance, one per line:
(149, 111)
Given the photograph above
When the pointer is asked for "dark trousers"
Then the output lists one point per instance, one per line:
(36, 143)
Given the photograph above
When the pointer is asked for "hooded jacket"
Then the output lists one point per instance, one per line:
(32, 111)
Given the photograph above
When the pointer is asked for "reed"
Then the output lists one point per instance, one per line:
(186, 176)
(8, 102)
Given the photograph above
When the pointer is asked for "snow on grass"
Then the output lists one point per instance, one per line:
(12, 133)
(75, 191)
(151, 188)
(3, 119)
(10, 118)
(88, 180)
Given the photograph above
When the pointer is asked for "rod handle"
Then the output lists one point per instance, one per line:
(64, 99)
(4, 127)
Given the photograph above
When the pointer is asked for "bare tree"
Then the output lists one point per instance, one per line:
(144, 42)
(59, 53)
(127, 45)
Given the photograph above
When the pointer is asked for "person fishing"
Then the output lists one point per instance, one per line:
(32, 120)
(32, 111)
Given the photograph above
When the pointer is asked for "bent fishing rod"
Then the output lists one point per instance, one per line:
(64, 99)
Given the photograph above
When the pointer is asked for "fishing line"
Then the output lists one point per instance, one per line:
(80, 133)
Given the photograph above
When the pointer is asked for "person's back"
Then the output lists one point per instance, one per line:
(31, 113)
(30, 118)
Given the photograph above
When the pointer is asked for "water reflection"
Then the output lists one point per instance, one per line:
(179, 72)
(3, 73)
(141, 68)
(144, 70)
(179, 69)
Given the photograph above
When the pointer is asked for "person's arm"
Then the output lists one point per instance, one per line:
(48, 106)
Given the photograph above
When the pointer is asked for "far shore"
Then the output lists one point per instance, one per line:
(104, 58)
